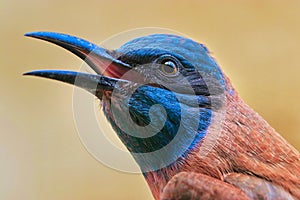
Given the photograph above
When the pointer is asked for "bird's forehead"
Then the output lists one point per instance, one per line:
(164, 42)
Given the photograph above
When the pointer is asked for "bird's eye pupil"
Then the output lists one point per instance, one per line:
(169, 67)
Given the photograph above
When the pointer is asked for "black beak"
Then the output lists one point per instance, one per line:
(95, 84)
(108, 68)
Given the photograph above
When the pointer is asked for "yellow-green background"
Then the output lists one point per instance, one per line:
(257, 43)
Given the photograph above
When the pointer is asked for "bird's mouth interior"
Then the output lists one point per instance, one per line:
(104, 67)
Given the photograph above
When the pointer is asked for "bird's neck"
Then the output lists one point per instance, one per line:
(238, 140)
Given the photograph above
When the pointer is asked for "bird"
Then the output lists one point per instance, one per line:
(182, 120)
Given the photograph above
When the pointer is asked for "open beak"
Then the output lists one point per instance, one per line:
(108, 68)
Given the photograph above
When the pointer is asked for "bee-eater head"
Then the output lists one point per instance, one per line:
(159, 92)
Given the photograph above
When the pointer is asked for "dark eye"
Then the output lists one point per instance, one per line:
(169, 67)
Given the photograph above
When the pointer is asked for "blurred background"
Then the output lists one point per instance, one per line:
(257, 44)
